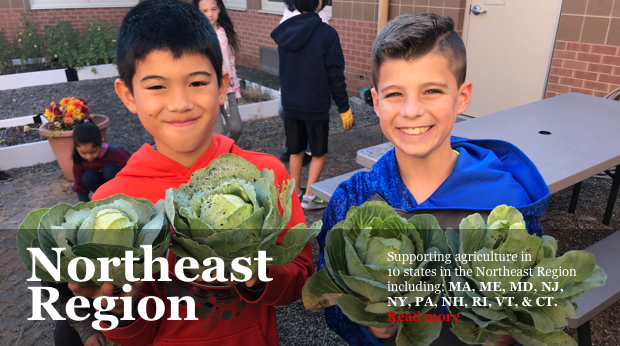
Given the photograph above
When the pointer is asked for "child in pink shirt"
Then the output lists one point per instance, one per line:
(229, 44)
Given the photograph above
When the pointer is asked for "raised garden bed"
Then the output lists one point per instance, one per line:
(22, 149)
(258, 102)
(11, 136)
(254, 95)
(28, 79)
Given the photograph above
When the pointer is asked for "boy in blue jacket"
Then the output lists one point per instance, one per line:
(418, 69)
(311, 74)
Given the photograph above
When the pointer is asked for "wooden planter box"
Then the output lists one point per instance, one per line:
(24, 155)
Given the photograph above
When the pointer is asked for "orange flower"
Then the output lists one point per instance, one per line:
(68, 111)
(75, 103)
(66, 101)
(49, 115)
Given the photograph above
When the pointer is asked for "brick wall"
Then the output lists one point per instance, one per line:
(584, 68)
(10, 16)
(253, 30)
(454, 9)
(586, 57)
(356, 23)
(356, 38)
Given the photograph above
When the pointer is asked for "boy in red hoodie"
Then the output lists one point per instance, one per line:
(170, 65)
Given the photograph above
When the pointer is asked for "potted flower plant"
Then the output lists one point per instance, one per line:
(63, 117)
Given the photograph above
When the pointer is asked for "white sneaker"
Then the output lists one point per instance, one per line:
(313, 203)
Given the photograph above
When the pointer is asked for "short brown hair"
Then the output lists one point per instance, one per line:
(411, 36)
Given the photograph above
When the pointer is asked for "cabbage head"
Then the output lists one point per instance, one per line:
(97, 229)
(229, 209)
(504, 233)
(358, 269)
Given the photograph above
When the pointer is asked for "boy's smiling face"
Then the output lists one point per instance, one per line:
(177, 101)
(417, 102)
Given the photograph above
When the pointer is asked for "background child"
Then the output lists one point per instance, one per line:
(289, 12)
(311, 68)
(419, 69)
(216, 13)
(94, 162)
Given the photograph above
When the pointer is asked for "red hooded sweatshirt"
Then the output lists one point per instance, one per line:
(229, 316)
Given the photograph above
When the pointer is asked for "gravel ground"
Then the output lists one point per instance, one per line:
(125, 130)
(297, 326)
(10, 136)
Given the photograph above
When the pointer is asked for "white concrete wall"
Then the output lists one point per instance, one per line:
(260, 110)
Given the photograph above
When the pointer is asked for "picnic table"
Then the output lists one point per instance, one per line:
(570, 138)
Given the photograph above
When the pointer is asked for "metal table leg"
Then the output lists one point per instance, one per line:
(583, 334)
(573, 200)
(612, 195)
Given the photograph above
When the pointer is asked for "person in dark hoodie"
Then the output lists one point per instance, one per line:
(311, 70)
(418, 69)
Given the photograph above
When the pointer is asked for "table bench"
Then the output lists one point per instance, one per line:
(595, 300)
(325, 189)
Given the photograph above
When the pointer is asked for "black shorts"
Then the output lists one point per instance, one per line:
(300, 132)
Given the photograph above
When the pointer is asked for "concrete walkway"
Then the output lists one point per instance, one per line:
(17, 198)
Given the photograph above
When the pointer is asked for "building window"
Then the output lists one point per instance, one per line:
(239, 5)
(278, 6)
(53, 4)
(273, 6)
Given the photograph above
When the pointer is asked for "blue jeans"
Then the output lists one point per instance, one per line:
(93, 179)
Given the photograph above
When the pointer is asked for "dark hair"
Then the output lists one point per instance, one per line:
(411, 36)
(305, 5)
(224, 21)
(165, 24)
(290, 5)
(86, 133)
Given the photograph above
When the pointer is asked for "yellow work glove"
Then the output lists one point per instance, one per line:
(347, 120)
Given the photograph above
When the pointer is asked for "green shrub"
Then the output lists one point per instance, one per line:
(29, 43)
(6, 52)
(98, 45)
(62, 42)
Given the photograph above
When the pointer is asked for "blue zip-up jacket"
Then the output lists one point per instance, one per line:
(311, 68)
(487, 173)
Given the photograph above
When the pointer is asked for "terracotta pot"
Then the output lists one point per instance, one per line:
(62, 144)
